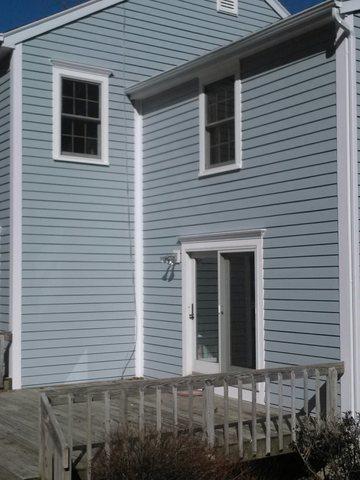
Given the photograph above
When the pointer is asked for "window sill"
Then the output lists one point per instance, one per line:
(218, 170)
(84, 160)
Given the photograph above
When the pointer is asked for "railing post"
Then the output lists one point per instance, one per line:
(209, 414)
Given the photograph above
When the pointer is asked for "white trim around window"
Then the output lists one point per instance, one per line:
(90, 74)
(204, 141)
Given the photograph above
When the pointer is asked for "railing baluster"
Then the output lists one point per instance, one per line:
(240, 419)
(268, 417)
(175, 410)
(158, 410)
(306, 392)
(331, 393)
(281, 412)
(317, 394)
(123, 409)
(210, 410)
(107, 400)
(293, 411)
(226, 416)
(191, 407)
(253, 416)
(70, 430)
(141, 412)
(89, 437)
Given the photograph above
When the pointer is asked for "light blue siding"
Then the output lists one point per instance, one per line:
(78, 295)
(288, 185)
(4, 193)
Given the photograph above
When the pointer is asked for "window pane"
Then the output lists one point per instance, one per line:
(93, 110)
(80, 108)
(66, 143)
(91, 130)
(79, 128)
(67, 87)
(220, 100)
(67, 105)
(80, 90)
(91, 146)
(79, 145)
(222, 143)
(66, 126)
(93, 92)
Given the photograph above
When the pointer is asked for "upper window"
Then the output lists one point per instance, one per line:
(220, 134)
(80, 116)
(228, 6)
(220, 122)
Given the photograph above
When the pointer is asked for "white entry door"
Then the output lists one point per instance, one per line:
(223, 310)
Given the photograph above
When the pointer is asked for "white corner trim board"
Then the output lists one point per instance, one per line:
(15, 283)
(348, 224)
(139, 242)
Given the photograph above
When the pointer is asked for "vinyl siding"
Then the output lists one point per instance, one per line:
(288, 185)
(4, 193)
(78, 293)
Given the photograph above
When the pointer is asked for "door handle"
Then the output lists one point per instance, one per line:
(191, 314)
(220, 310)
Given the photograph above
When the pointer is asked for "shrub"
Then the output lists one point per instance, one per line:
(163, 458)
(330, 449)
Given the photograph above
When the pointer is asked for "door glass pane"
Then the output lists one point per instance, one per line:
(242, 309)
(207, 330)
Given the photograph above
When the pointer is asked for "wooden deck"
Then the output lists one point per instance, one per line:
(76, 420)
(19, 425)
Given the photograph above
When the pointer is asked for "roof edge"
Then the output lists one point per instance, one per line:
(272, 35)
(25, 32)
(279, 8)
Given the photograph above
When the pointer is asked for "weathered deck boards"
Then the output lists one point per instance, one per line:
(19, 425)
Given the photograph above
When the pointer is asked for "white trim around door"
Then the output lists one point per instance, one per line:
(227, 245)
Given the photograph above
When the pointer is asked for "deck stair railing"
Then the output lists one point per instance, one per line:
(249, 414)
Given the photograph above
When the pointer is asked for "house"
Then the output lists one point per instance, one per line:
(180, 190)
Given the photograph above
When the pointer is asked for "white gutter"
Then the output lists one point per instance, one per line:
(276, 33)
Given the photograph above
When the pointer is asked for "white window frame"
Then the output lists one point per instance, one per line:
(206, 79)
(86, 74)
(229, 11)
(241, 242)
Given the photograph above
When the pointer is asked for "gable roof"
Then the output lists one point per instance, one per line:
(285, 29)
(46, 24)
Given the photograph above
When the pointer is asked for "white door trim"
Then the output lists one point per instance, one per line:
(225, 245)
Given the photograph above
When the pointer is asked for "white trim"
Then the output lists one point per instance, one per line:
(15, 301)
(139, 241)
(235, 244)
(82, 67)
(349, 270)
(71, 71)
(44, 25)
(279, 8)
(204, 147)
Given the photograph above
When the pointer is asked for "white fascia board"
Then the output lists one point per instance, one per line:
(15, 283)
(44, 25)
(279, 8)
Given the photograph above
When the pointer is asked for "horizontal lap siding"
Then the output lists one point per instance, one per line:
(4, 194)
(78, 301)
(288, 185)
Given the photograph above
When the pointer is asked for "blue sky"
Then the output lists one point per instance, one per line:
(18, 12)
